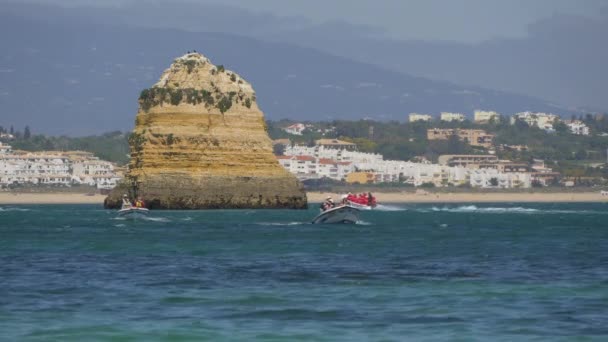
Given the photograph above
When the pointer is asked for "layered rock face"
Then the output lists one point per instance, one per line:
(200, 142)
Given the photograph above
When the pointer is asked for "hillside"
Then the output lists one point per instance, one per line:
(71, 77)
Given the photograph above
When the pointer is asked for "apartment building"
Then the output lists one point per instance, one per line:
(474, 137)
(336, 144)
(295, 129)
(483, 116)
(471, 161)
(356, 167)
(415, 117)
(492, 178)
(55, 168)
(449, 117)
(543, 121)
(577, 127)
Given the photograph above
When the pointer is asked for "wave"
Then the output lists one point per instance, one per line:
(141, 218)
(14, 209)
(383, 207)
(505, 210)
(155, 219)
(473, 208)
(281, 224)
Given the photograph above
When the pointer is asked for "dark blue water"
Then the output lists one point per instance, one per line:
(414, 272)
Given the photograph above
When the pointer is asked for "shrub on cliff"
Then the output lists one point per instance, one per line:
(190, 64)
(176, 96)
(224, 104)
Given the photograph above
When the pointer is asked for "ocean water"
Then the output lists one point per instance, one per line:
(498, 272)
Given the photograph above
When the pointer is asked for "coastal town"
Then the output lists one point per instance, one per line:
(56, 168)
(338, 159)
(341, 161)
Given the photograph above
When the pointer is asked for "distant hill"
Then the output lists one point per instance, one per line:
(72, 76)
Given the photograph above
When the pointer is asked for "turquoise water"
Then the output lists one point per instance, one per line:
(495, 272)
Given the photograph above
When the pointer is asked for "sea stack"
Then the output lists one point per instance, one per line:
(200, 142)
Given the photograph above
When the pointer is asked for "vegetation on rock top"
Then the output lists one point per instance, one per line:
(157, 96)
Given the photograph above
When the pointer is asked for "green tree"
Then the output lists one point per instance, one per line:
(26, 133)
(278, 149)
(560, 127)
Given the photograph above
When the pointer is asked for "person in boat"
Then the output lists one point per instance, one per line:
(350, 197)
(126, 203)
(139, 203)
(328, 204)
(370, 199)
(362, 198)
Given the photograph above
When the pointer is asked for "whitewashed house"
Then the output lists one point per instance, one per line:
(578, 127)
(416, 117)
(55, 168)
(485, 116)
(296, 129)
(449, 117)
(5, 149)
(492, 178)
(543, 121)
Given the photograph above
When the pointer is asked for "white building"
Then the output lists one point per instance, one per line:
(543, 121)
(95, 172)
(492, 178)
(482, 116)
(449, 117)
(333, 169)
(309, 167)
(340, 155)
(301, 166)
(578, 127)
(318, 162)
(55, 168)
(415, 174)
(295, 129)
(5, 149)
(415, 117)
(34, 168)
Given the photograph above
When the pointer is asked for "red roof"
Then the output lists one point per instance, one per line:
(326, 161)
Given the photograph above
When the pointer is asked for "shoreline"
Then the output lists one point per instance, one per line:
(317, 197)
(50, 198)
(460, 197)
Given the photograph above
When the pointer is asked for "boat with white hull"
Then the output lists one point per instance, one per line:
(361, 206)
(133, 212)
(339, 214)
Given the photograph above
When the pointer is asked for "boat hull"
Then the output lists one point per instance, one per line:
(360, 206)
(133, 212)
(342, 214)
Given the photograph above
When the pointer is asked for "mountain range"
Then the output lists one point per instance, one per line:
(62, 73)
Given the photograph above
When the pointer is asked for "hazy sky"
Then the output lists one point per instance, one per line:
(459, 20)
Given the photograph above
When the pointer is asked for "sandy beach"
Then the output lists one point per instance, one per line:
(50, 198)
(390, 197)
(428, 197)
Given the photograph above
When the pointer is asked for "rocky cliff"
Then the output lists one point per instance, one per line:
(200, 142)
